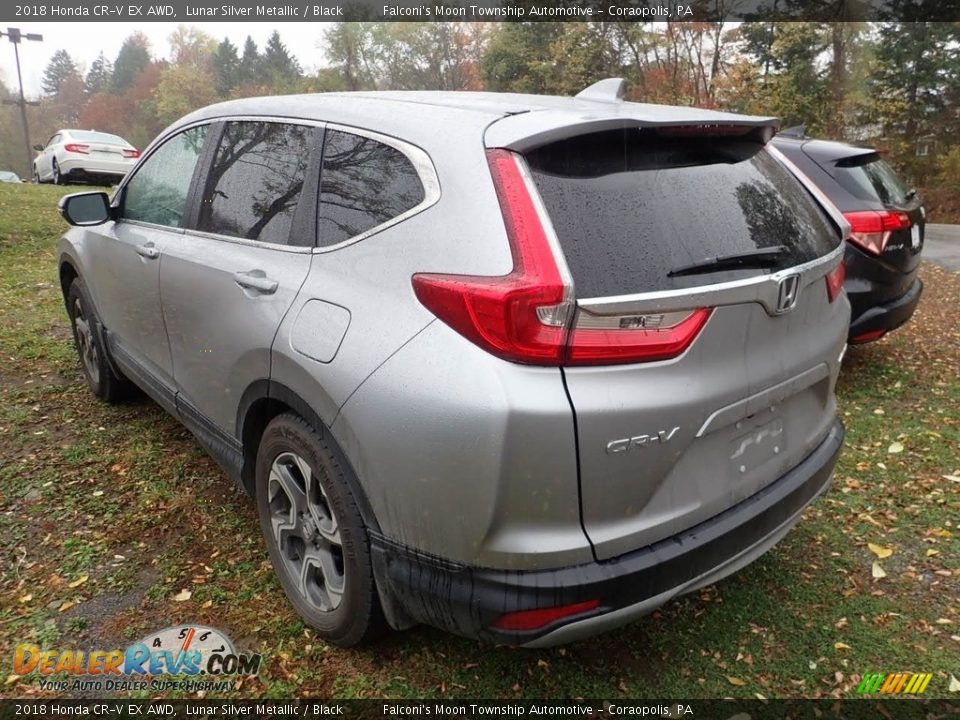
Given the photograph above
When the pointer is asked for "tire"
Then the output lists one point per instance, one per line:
(100, 376)
(58, 179)
(36, 175)
(316, 539)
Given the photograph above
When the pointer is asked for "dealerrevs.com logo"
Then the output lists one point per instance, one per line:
(191, 651)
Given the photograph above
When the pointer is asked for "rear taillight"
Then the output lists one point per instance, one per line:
(131, 153)
(541, 618)
(867, 337)
(871, 229)
(835, 280)
(503, 314)
(526, 316)
(598, 346)
(75, 148)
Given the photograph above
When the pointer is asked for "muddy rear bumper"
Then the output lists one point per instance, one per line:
(469, 600)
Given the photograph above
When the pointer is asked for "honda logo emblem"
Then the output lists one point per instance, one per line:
(787, 294)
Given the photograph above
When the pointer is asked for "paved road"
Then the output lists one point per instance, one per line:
(941, 245)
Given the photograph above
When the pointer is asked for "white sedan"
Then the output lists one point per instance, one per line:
(83, 155)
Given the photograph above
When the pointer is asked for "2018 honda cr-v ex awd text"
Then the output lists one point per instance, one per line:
(519, 367)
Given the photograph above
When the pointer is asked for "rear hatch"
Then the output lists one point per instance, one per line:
(707, 326)
(887, 218)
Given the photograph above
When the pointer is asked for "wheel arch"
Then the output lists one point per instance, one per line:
(264, 400)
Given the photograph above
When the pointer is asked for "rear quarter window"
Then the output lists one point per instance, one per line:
(364, 183)
(868, 177)
(629, 206)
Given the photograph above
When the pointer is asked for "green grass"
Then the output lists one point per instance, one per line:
(122, 496)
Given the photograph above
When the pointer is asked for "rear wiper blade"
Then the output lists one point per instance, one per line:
(762, 257)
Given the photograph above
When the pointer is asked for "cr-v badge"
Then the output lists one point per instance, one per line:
(624, 444)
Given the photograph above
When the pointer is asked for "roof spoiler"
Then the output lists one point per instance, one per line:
(797, 131)
(608, 91)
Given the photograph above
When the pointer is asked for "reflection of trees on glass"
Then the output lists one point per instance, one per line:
(256, 180)
(364, 183)
(780, 215)
(158, 192)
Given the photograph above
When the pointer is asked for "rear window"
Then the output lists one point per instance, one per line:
(869, 178)
(91, 136)
(631, 206)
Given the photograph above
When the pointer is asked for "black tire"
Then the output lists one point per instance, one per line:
(57, 177)
(344, 610)
(100, 376)
(36, 175)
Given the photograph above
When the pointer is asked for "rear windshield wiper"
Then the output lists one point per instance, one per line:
(762, 257)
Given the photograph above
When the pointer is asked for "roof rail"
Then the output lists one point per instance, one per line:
(797, 131)
(607, 91)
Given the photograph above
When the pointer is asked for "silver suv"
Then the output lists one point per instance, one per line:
(519, 367)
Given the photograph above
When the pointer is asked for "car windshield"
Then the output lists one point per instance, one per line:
(92, 136)
(868, 177)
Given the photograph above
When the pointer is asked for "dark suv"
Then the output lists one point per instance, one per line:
(887, 223)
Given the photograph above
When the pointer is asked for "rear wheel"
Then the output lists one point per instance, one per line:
(317, 541)
(57, 177)
(36, 175)
(101, 379)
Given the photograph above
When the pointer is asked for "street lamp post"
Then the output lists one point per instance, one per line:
(16, 36)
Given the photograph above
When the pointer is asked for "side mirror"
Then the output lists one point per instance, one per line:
(85, 209)
(38, 147)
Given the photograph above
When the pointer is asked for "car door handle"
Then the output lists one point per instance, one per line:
(255, 280)
(148, 251)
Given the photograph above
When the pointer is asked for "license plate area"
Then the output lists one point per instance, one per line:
(763, 439)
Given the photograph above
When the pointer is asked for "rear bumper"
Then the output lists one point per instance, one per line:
(880, 319)
(468, 600)
(89, 166)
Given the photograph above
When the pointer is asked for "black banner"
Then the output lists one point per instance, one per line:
(480, 10)
(850, 709)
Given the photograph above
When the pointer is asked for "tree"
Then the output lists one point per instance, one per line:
(191, 46)
(226, 66)
(133, 58)
(278, 65)
(59, 71)
(520, 57)
(100, 75)
(248, 71)
(182, 89)
(350, 46)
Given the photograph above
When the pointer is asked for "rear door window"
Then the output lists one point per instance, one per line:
(631, 206)
(364, 184)
(255, 181)
(868, 177)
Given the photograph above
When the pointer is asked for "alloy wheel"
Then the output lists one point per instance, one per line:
(306, 532)
(85, 344)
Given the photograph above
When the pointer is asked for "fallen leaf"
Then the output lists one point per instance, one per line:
(735, 681)
(931, 552)
(952, 478)
(953, 687)
(182, 596)
(840, 646)
(895, 447)
(877, 571)
(78, 582)
(880, 551)
(26, 598)
(66, 606)
(97, 493)
(11, 679)
(208, 603)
